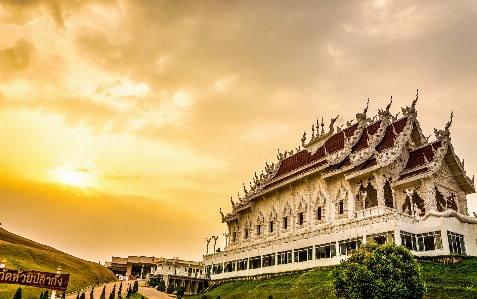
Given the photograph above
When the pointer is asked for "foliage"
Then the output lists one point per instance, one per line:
(24, 254)
(120, 295)
(153, 281)
(83, 296)
(136, 287)
(103, 294)
(63, 296)
(78, 296)
(161, 286)
(379, 271)
(203, 297)
(112, 295)
(180, 292)
(129, 292)
(18, 294)
(270, 297)
(170, 288)
(91, 294)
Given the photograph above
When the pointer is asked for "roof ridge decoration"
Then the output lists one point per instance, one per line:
(441, 134)
(364, 154)
(319, 136)
(349, 142)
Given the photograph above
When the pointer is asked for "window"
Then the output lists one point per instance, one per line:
(318, 214)
(422, 242)
(340, 207)
(303, 254)
(271, 226)
(229, 266)
(258, 230)
(284, 257)
(269, 260)
(255, 262)
(234, 237)
(456, 243)
(300, 219)
(285, 222)
(324, 251)
(246, 233)
(346, 246)
(381, 238)
(242, 264)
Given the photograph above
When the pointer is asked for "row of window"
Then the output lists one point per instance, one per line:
(271, 226)
(415, 242)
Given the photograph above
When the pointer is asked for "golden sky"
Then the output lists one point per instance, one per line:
(126, 125)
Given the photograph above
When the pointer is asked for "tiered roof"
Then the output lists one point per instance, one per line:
(359, 149)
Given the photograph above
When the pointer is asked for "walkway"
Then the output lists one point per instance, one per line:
(150, 293)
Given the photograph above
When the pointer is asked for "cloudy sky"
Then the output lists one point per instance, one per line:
(126, 125)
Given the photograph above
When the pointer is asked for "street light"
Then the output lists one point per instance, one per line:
(53, 292)
(2, 264)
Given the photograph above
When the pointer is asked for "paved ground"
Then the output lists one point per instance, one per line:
(150, 293)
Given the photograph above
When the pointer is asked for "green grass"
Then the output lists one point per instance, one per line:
(24, 254)
(443, 281)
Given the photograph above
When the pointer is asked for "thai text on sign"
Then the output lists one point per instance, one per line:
(38, 279)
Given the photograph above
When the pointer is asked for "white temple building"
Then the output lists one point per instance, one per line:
(376, 180)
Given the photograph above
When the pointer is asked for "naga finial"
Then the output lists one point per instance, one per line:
(303, 139)
(322, 125)
(449, 123)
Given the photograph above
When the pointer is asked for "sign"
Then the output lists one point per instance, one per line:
(46, 280)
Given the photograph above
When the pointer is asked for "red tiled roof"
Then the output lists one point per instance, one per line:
(295, 174)
(413, 173)
(416, 157)
(369, 163)
(388, 139)
(363, 141)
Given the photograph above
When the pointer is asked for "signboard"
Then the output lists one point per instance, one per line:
(46, 280)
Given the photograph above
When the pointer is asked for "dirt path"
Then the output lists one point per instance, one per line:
(150, 293)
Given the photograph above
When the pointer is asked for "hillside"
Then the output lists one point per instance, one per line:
(21, 253)
(457, 280)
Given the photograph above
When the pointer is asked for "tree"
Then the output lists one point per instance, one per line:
(45, 294)
(161, 286)
(64, 296)
(18, 294)
(120, 296)
(103, 294)
(135, 288)
(83, 296)
(379, 271)
(170, 288)
(91, 294)
(112, 295)
(78, 296)
(180, 292)
(129, 294)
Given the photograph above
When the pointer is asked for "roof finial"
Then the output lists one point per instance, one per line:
(322, 125)
(413, 106)
(449, 123)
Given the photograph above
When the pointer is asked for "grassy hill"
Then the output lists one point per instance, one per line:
(457, 280)
(24, 254)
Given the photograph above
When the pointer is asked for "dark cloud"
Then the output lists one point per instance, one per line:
(15, 59)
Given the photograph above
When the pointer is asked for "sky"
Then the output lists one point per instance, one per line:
(126, 125)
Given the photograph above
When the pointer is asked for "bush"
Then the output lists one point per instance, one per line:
(161, 286)
(203, 297)
(18, 294)
(180, 292)
(379, 271)
(170, 288)
(153, 281)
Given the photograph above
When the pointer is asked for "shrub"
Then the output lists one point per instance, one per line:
(180, 292)
(203, 297)
(135, 287)
(18, 294)
(103, 293)
(379, 271)
(170, 288)
(153, 281)
(161, 286)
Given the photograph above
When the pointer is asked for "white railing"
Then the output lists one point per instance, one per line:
(373, 211)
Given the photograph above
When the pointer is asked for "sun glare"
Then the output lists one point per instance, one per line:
(79, 176)
(71, 177)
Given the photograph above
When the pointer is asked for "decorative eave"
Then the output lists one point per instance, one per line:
(457, 169)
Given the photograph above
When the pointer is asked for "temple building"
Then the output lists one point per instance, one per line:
(375, 180)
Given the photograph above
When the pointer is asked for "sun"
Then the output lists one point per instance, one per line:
(74, 175)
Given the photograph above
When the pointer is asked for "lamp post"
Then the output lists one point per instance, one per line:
(2, 264)
(53, 293)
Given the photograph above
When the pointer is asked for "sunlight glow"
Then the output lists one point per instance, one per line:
(74, 175)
